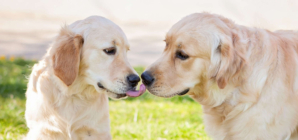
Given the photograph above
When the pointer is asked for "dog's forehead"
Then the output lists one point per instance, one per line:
(193, 43)
(114, 37)
(177, 40)
(92, 22)
(95, 23)
(97, 30)
(180, 33)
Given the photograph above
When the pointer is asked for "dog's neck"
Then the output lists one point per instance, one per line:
(79, 89)
(221, 104)
(239, 95)
(54, 85)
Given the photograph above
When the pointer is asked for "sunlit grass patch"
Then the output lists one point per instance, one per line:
(156, 120)
(12, 119)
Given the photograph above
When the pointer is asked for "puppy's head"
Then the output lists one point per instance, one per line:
(199, 49)
(94, 51)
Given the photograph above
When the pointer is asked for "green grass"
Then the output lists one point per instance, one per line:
(147, 117)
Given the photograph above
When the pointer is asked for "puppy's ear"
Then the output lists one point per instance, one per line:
(226, 60)
(66, 58)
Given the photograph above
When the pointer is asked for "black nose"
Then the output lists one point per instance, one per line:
(133, 80)
(147, 78)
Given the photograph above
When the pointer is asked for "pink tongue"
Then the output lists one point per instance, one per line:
(136, 93)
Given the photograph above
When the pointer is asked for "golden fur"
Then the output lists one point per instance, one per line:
(63, 99)
(245, 78)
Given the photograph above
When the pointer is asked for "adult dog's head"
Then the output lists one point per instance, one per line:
(201, 49)
(93, 51)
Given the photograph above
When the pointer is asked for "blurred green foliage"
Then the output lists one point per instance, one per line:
(12, 97)
(13, 81)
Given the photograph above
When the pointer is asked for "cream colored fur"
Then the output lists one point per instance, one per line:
(65, 103)
(245, 78)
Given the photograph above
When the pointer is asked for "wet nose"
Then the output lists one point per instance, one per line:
(147, 78)
(133, 80)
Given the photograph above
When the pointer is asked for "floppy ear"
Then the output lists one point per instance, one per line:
(226, 60)
(66, 58)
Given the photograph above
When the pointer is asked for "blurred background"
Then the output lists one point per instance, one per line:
(27, 27)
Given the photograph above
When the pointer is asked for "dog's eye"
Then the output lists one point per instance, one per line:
(110, 51)
(181, 55)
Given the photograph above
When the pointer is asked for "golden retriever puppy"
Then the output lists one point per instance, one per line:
(245, 78)
(68, 90)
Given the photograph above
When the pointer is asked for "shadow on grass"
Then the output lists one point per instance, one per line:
(16, 90)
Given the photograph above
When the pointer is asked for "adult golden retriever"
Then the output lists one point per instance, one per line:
(67, 95)
(245, 78)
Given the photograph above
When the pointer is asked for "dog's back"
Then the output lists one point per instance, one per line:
(290, 38)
